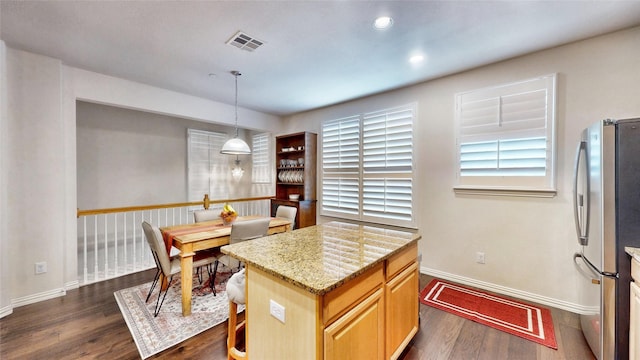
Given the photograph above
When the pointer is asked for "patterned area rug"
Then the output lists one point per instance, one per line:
(514, 317)
(155, 334)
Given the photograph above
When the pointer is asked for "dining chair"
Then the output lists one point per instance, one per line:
(236, 295)
(169, 266)
(205, 215)
(242, 231)
(287, 212)
(200, 216)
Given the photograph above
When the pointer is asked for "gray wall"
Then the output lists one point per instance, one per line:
(128, 157)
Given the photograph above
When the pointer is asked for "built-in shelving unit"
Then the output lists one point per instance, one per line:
(296, 161)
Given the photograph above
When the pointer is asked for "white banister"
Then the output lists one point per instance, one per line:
(118, 245)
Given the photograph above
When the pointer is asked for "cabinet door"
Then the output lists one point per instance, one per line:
(358, 334)
(634, 323)
(402, 310)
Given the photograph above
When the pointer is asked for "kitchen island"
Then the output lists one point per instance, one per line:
(331, 291)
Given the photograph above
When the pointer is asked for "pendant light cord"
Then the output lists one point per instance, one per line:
(235, 145)
(236, 73)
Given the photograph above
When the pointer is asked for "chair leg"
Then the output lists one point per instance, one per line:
(212, 277)
(158, 302)
(233, 328)
(153, 284)
(199, 273)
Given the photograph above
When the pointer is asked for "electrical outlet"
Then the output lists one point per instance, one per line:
(480, 257)
(41, 267)
(276, 310)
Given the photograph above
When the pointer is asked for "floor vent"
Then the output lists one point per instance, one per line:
(244, 41)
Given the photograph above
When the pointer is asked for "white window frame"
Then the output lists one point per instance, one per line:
(262, 161)
(511, 113)
(367, 167)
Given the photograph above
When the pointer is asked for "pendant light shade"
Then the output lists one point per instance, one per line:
(236, 146)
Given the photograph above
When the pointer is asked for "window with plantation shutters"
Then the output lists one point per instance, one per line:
(506, 140)
(261, 167)
(208, 171)
(367, 167)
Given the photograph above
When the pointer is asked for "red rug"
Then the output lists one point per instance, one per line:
(526, 321)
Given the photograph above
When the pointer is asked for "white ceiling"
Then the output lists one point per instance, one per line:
(316, 53)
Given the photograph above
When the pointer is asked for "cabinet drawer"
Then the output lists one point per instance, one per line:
(399, 261)
(635, 270)
(348, 295)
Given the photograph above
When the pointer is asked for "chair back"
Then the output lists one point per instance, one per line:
(287, 212)
(157, 246)
(205, 215)
(249, 229)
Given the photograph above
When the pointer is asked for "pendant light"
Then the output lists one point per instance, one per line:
(237, 171)
(235, 145)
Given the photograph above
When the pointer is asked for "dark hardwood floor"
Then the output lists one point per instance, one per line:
(86, 323)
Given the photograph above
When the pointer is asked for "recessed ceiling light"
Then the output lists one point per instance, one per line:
(416, 59)
(383, 22)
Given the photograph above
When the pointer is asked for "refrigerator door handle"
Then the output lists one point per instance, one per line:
(593, 268)
(581, 202)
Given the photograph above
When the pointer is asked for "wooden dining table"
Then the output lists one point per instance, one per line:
(190, 238)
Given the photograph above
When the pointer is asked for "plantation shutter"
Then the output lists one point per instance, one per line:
(261, 169)
(367, 164)
(506, 134)
(340, 164)
(341, 145)
(207, 170)
(387, 145)
(388, 140)
(341, 195)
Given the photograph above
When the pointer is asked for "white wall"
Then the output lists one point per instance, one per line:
(5, 298)
(38, 162)
(528, 242)
(35, 182)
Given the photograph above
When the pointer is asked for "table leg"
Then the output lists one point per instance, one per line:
(186, 269)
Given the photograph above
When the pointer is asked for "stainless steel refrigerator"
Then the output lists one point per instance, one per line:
(607, 216)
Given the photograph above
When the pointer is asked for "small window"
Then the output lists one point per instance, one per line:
(261, 168)
(506, 139)
(367, 167)
(208, 171)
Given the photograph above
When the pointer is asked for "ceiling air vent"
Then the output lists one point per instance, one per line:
(244, 41)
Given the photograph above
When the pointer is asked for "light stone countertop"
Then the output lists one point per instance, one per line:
(633, 251)
(322, 257)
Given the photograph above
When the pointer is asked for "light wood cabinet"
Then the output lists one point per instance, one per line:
(358, 334)
(296, 161)
(388, 318)
(402, 310)
(634, 313)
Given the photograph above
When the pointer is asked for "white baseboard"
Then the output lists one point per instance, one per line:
(527, 296)
(72, 285)
(26, 300)
(7, 310)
